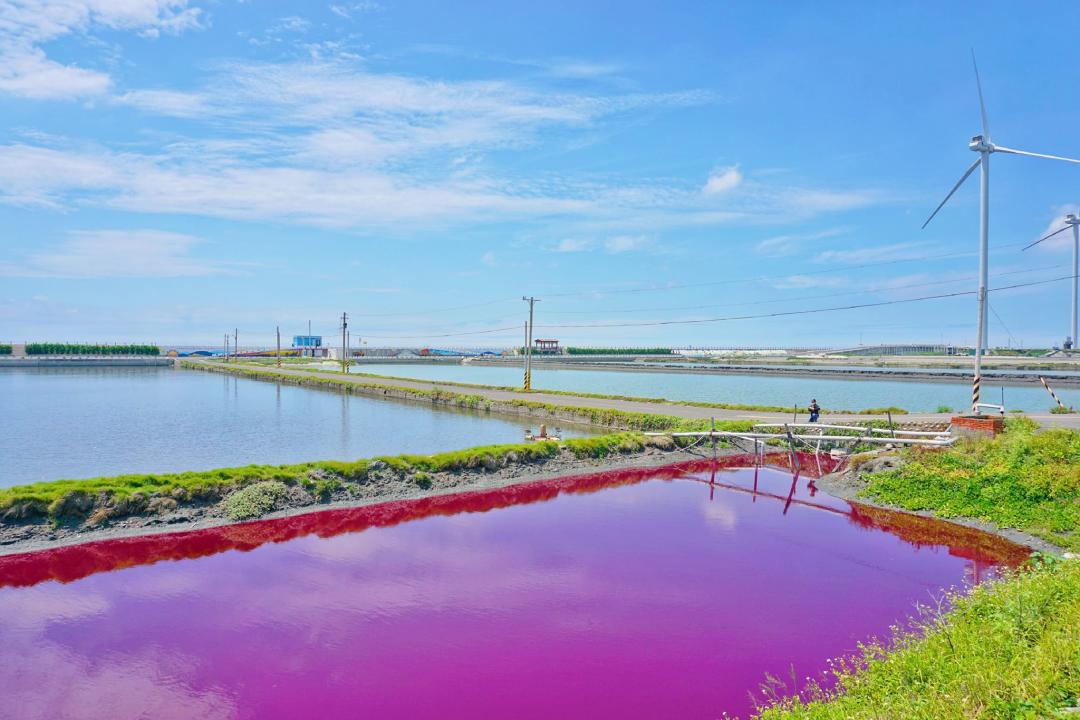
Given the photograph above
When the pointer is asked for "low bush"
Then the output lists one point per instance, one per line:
(80, 349)
(254, 500)
(5, 349)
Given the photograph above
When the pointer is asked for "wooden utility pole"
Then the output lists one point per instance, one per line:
(226, 347)
(278, 330)
(236, 343)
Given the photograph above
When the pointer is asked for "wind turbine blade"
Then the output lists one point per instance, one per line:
(982, 105)
(998, 148)
(954, 189)
(1047, 237)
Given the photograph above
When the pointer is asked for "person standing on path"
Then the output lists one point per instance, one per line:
(815, 410)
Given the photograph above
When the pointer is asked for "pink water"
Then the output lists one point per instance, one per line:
(632, 595)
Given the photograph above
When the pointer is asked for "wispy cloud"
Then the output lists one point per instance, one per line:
(115, 253)
(25, 25)
(573, 245)
(879, 253)
(786, 245)
(626, 243)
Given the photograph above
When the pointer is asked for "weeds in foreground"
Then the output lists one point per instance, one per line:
(1009, 649)
(1023, 479)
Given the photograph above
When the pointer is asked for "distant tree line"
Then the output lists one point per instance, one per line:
(5, 349)
(618, 351)
(80, 349)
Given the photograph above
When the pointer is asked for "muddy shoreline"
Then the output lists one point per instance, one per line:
(847, 483)
(165, 515)
(387, 485)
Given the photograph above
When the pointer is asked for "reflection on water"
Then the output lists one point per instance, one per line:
(640, 593)
(83, 422)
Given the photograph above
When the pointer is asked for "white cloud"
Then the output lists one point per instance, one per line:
(625, 243)
(785, 245)
(488, 259)
(570, 245)
(27, 24)
(1062, 240)
(28, 73)
(722, 180)
(115, 253)
(880, 253)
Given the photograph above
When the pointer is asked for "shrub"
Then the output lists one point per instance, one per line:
(944, 409)
(1060, 410)
(81, 349)
(5, 349)
(254, 500)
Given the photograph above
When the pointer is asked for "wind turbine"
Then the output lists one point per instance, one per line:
(985, 147)
(1071, 220)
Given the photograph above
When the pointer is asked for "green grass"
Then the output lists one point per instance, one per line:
(601, 396)
(1023, 479)
(944, 409)
(1010, 649)
(1059, 410)
(63, 500)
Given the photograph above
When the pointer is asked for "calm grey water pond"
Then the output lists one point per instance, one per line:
(739, 388)
(77, 422)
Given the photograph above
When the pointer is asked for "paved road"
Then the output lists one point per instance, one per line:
(674, 409)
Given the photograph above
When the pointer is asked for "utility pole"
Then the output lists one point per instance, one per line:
(344, 327)
(278, 331)
(528, 343)
(226, 355)
(236, 343)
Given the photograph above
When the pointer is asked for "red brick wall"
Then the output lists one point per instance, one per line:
(979, 425)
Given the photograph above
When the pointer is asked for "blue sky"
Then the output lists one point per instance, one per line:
(170, 170)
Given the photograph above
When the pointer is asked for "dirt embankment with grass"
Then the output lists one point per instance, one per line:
(1024, 484)
(50, 514)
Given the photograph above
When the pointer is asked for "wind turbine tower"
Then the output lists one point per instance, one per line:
(985, 147)
(1071, 221)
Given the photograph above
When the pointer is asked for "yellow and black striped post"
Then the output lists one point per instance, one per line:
(975, 387)
(1052, 393)
(528, 379)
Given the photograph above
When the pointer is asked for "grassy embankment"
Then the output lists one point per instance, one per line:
(1010, 649)
(601, 396)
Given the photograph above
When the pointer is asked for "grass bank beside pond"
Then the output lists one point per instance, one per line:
(1025, 479)
(96, 500)
(1009, 649)
(603, 396)
(602, 417)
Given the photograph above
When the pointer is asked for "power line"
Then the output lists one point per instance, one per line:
(805, 297)
(805, 312)
(743, 280)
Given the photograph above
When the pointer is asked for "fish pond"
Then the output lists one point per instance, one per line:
(633, 594)
(764, 389)
(86, 422)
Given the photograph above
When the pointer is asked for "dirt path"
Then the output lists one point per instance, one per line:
(661, 408)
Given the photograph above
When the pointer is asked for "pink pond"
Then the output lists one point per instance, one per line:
(637, 594)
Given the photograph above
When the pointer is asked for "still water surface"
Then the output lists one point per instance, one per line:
(739, 388)
(83, 422)
(635, 594)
